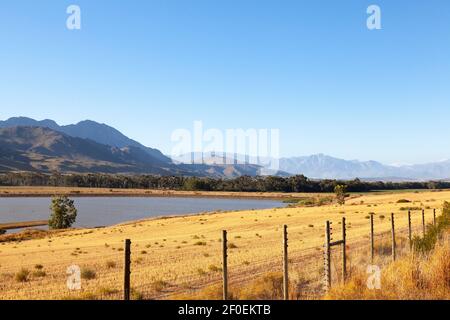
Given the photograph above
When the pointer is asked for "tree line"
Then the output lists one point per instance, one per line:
(298, 183)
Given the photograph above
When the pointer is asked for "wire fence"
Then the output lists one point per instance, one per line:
(102, 274)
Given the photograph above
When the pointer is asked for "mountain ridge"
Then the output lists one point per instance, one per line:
(86, 129)
(41, 149)
(47, 150)
(321, 166)
(318, 166)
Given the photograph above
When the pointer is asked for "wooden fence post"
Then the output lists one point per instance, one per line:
(423, 223)
(327, 256)
(393, 237)
(127, 270)
(285, 264)
(344, 251)
(434, 217)
(225, 264)
(372, 240)
(409, 230)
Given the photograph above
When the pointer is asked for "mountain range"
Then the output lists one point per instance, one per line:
(321, 166)
(90, 147)
(92, 130)
(30, 145)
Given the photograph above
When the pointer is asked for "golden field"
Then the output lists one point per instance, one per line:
(414, 277)
(175, 257)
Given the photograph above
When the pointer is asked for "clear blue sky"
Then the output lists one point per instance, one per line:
(310, 68)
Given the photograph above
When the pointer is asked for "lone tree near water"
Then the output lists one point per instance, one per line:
(63, 213)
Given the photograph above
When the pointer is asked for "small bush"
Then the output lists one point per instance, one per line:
(214, 268)
(231, 245)
(39, 267)
(403, 201)
(159, 285)
(200, 243)
(22, 275)
(110, 264)
(88, 274)
(201, 271)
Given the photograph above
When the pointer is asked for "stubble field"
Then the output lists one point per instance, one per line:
(178, 256)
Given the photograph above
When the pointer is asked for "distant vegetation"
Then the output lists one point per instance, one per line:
(297, 183)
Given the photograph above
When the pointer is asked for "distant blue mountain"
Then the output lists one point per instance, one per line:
(321, 166)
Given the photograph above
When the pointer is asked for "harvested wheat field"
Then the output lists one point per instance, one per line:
(177, 257)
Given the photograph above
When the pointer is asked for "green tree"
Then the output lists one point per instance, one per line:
(341, 192)
(63, 213)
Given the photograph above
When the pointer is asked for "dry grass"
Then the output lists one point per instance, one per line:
(173, 258)
(422, 274)
(413, 277)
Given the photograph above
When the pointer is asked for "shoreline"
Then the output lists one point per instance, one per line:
(46, 192)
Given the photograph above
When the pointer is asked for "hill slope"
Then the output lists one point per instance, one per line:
(88, 129)
(46, 150)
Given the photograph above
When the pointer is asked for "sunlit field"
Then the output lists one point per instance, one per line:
(177, 257)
